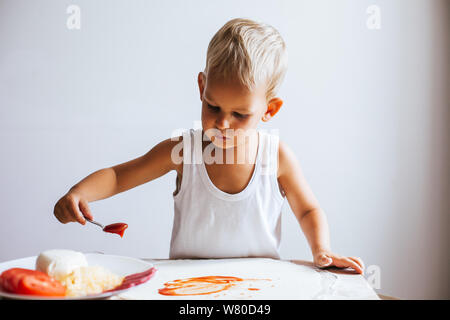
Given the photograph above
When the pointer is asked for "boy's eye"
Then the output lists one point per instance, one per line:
(240, 116)
(213, 108)
(236, 114)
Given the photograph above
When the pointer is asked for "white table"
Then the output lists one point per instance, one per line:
(274, 279)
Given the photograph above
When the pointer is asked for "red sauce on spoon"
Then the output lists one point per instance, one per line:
(118, 228)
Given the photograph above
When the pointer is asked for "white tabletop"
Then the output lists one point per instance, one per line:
(273, 279)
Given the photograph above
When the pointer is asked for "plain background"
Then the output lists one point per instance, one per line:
(366, 111)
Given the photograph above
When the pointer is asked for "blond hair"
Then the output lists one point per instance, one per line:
(249, 51)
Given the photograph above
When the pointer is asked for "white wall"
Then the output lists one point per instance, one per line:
(366, 111)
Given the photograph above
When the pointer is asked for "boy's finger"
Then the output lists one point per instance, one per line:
(352, 264)
(342, 262)
(78, 215)
(358, 261)
(84, 207)
(66, 214)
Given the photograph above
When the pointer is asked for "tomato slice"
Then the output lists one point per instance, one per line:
(9, 279)
(41, 285)
(30, 282)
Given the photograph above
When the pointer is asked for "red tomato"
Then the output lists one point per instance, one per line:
(30, 282)
(9, 279)
(41, 285)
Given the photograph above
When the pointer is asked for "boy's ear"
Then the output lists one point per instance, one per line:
(273, 107)
(201, 79)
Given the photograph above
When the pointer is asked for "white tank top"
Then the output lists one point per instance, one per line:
(210, 223)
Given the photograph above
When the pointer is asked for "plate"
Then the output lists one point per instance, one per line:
(119, 265)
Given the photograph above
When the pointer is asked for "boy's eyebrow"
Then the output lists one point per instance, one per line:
(240, 108)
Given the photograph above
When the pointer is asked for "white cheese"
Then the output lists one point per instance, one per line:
(59, 263)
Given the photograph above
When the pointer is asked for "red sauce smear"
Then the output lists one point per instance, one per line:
(198, 285)
(118, 228)
(135, 279)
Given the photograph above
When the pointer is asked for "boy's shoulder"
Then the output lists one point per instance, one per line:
(173, 151)
(286, 158)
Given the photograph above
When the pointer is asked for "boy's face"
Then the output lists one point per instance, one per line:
(230, 112)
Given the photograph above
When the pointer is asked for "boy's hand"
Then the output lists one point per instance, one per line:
(323, 259)
(72, 207)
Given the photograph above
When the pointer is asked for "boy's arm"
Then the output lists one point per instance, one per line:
(107, 182)
(307, 210)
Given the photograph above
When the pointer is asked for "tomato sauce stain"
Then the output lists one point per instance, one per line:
(201, 285)
(198, 285)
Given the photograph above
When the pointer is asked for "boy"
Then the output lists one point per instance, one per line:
(226, 207)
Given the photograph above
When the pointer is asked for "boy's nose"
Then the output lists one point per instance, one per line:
(222, 123)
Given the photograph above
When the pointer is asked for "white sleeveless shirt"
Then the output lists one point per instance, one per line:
(210, 223)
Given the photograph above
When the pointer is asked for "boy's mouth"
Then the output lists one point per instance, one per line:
(219, 136)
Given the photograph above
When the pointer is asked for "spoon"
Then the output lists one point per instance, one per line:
(117, 228)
